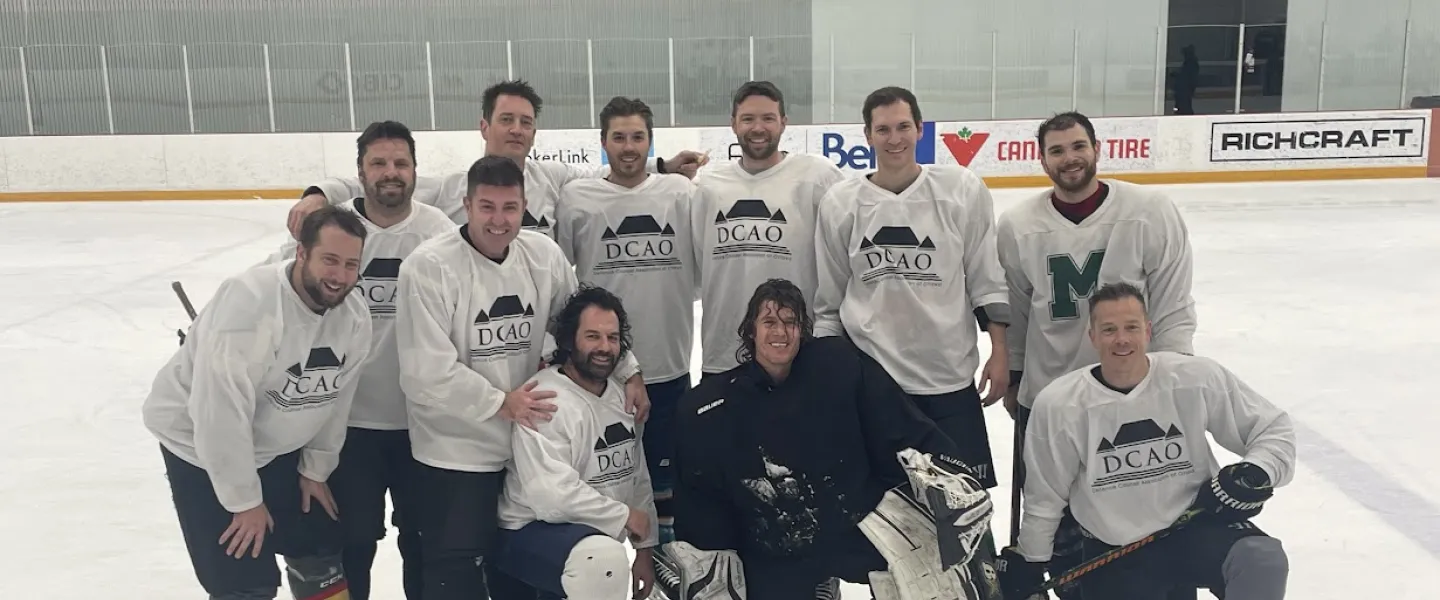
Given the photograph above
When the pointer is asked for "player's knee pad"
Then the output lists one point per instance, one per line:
(1257, 565)
(597, 569)
(317, 577)
(905, 536)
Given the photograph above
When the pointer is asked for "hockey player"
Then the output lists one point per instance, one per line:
(510, 110)
(1059, 246)
(630, 233)
(579, 487)
(755, 220)
(376, 457)
(785, 463)
(1123, 444)
(474, 308)
(250, 413)
(905, 255)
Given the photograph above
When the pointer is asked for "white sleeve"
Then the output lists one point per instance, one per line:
(699, 229)
(642, 496)
(431, 371)
(1052, 463)
(984, 279)
(566, 224)
(562, 287)
(552, 487)
(1168, 283)
(319, 458)
(1020, 290)
(1245, 423)
(339, 190)
(234, 345)
(832, 263)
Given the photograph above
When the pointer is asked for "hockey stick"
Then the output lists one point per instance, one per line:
(184, 301)
(1086, 567)
(1017, 474)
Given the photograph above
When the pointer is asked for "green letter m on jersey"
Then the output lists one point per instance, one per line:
(1070, 282)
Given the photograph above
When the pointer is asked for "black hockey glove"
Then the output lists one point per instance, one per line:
(1236, 493)
(1017, 576)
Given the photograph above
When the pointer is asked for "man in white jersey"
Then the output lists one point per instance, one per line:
(755, 221)
(376, 457)
(1059, 246)
(905, 256)
(630, 233)
(579, 486)
(508, 124)
(1123, 444)
(250, 413)
(473, 318)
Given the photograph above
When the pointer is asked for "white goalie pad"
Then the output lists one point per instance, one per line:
(905, 535)
(705, 574)
(959, 505)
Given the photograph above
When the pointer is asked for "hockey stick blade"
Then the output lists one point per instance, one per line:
(1090, 565)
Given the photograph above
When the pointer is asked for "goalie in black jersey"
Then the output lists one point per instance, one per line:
(801, 465)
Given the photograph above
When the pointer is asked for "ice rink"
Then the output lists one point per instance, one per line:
(1323, 296)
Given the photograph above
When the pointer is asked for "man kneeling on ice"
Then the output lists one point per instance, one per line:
(578, 486)
(787, 476)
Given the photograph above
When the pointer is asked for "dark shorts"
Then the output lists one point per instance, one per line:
(528, 563)
(458, 529)
(659, 437)
(374, 462)
(1169, 568)
(961, 417)
(203, 519)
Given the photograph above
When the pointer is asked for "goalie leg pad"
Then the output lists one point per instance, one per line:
(882, 586)
(961, 507)
(905, 535)
(706, 574)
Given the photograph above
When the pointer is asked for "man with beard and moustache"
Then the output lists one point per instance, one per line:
(473, 324)
(376, 458)
(579, 486)
(755, 220)
(1059, 246)
(630, 233)
(509, 110)
(250, 413)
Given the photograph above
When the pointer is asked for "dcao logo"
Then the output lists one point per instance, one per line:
(964, 145)
(861, 157)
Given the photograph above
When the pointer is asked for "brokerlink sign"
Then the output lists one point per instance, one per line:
(1346, 139)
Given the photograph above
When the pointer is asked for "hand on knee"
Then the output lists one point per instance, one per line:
(598, 569)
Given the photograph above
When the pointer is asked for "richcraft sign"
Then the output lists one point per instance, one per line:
(1344, 139)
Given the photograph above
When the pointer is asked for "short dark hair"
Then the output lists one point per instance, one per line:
(886, 96)
(1061, 122)
(511, 87)
(756, 88)
(567, 320)
(785, 295)
(329, 214)
(496, 171)
(621, 106)
(383, 130)
(1116, 291)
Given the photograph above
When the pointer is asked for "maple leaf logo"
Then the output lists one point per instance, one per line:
(964, 145)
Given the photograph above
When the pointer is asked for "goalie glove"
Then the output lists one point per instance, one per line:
(960, 505)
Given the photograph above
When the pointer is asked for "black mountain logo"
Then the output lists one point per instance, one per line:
(896, 251)
(750, 228)
(530, 222)
(505, 307)
(502, 331)
(615, 434)
(1141, 450)
(377, 283)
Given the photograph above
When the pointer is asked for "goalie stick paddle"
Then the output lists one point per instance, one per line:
(1086, 567)
(184, 301)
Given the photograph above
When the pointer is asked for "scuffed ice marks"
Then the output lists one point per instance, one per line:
(792, 499)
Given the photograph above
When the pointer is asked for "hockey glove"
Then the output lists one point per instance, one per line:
(1017, 575)
(1236, 493)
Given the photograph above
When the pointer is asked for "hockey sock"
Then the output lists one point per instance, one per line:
(1256, 569)
(358, 559)
(317, 578)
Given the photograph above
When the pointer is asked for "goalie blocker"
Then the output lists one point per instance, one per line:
(941, 520)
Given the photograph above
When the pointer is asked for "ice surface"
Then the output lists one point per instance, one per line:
(1320, 295)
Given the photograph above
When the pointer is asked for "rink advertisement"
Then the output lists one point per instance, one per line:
(1345, 139)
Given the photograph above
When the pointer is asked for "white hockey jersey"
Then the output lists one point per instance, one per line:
(469, 331)
(585, 466)
(1052, 265)
(379, 402)
(901, 274)
(260, 375)
(749, 228)
(543, 180)
(636, 243)
(1128, 464)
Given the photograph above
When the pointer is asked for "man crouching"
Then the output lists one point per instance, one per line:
(790, 469)
(578, 486)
